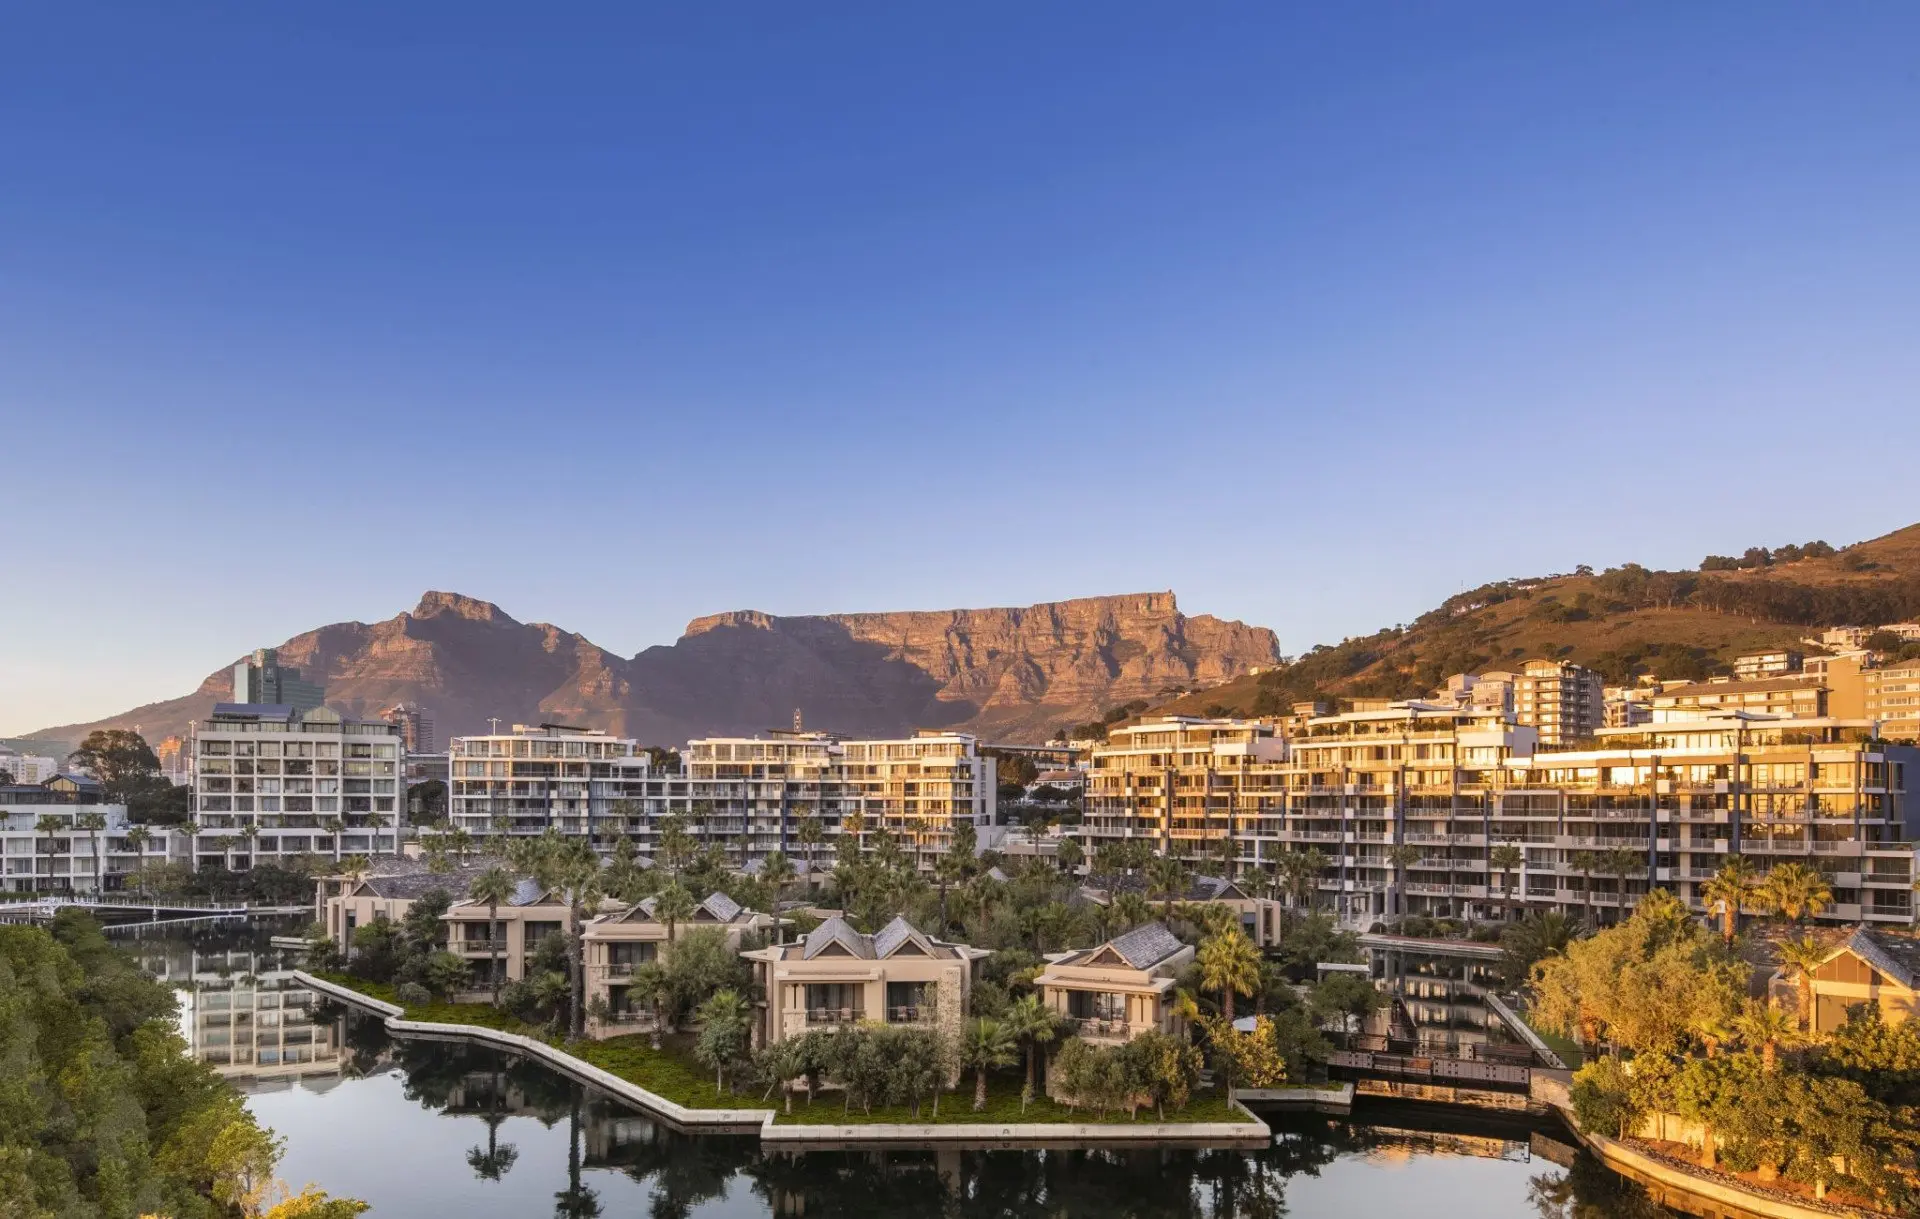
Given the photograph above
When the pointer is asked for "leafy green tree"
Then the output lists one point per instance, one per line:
(1604, 1098)
(1168, 1066)
(1347, 996)
(726, 1025)
(129, 774)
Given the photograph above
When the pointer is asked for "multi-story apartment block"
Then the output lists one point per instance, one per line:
(1891, 697)
(1652, 804)
(262, 679)
(1767, 664)
(1790, 696)
(272, 781)
(545, 775)
(748, 795)
(1564, 701)
(1627, 706)
(26, 769)
(73, 858)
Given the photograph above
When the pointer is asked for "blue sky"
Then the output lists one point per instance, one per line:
(617, 317)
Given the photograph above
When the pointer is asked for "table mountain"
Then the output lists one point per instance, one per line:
(1008, 674)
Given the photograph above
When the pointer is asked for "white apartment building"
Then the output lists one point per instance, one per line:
(1564, 701)
(73, 858)
(542, 775)
(28, 769)
(746, 794)
(271, 781)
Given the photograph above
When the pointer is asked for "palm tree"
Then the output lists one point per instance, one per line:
(673, 905)
(1802, 957)
(1401, 858)
(1033, 1024)
(498, 1158)
(572, 866)
(1130, 910)
(725, 1012)
(1621, 862)
(1230, 964)
(652, 986)
(1586, 863)
(49, 825)
(1071, 855)
(1730, 888)
(810, 835)
(138, 837)
(334, 828)
(493, 886)
(93, 823)
(1300, 872)
(1507, 858)
(1796, 891)
(1168, 878)
(986, 1044)
(1763, 1026)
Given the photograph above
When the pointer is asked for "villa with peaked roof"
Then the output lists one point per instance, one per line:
(837, 975)
(1869, 966)
(618, 942)
(1262, 918)
(1121, 989)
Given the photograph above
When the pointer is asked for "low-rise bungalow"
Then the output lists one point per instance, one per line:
(1260, 917)
(1869, 966)
(1121, 989)
(347, 903)
(619, 942)
(837, 976)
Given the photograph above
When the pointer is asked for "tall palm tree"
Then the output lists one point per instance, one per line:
(810, 834)
(138, 837)
(778, 873)
(1802, 957)
(1230, 964)
(1130, 910)
(1730, 888)
(1622, 862)
(49, 825)
(334, 828)
(1033, 1024)
(986, 1044)
(493, 886)
(1168, 878)
(497, 1158)
(571, 866)
(1401, 858)
(673, 905)
(1796, 891)
(1507, 858)
(93, 823)
(1586, 863)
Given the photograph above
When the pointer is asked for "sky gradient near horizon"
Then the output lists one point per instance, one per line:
(616, 317)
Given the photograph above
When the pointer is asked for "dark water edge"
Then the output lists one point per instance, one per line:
(429, 1127)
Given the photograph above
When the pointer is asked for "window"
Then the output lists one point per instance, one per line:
(1096, 1005)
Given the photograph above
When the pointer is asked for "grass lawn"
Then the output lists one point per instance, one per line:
(1568, 1049)
(674, 1075)
(1003, 1109)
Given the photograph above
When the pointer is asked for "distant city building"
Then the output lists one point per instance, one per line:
(57, 750)
(1892, 697)
(415, 723)
(27, 768)
(272, 781)
(264, 681)
(1627, 706)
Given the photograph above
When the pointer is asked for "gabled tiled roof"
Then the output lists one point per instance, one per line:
(1146, 946)
(527, 893)
(721, 907)
(835, 930)
(898, 932)
(1895, 956)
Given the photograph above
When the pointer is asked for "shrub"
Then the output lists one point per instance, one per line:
(412, 994)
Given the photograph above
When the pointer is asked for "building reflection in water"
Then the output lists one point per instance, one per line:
(241, 1011)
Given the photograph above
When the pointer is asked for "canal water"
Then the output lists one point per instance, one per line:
(422, 1127)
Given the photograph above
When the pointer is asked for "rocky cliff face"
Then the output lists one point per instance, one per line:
(1008, 674)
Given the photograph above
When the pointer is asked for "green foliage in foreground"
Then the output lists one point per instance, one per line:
(102, 1109)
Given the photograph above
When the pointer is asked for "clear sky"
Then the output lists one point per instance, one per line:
(620, 317)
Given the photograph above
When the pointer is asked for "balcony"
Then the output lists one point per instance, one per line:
(910, 1015)
(820, 1017)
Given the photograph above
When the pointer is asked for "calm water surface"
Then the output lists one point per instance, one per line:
(446, 1128)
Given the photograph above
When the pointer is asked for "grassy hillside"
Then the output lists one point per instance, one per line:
(1623, 622)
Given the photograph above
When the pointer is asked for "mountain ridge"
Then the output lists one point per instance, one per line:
(1010, 672)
